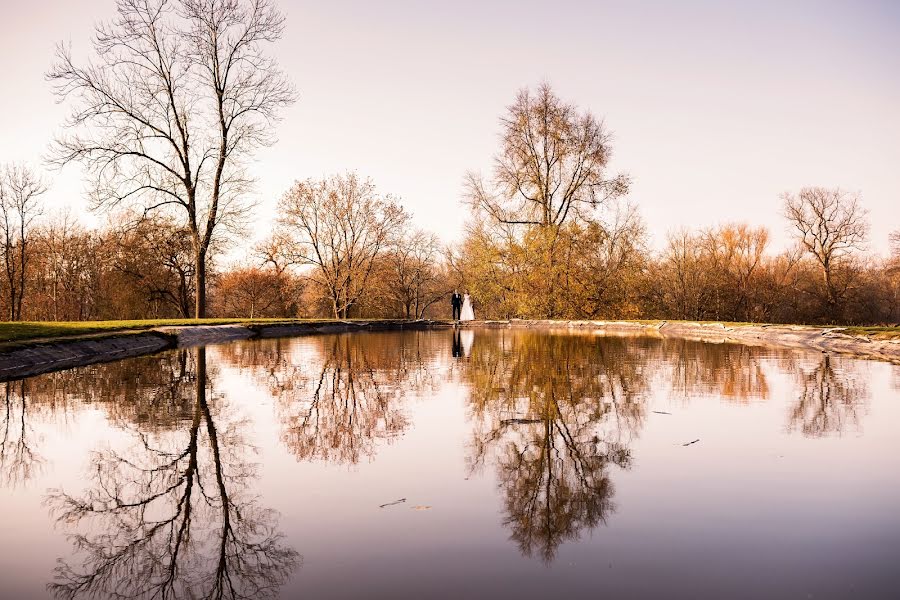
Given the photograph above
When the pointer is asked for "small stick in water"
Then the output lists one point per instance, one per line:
(662, 412)
(694, 442)
(393, 503)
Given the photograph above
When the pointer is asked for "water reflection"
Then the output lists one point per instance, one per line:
(156, 393)
(553, 420)
(18, 459)
(830, 397)
(172, 515)
(732, 372)
(338, 397)
(554, 413)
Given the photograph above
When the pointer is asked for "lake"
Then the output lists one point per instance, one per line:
(442, 464)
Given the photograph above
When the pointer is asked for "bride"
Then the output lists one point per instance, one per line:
(467, 313)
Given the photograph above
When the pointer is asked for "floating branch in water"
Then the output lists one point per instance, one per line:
(393, 503)
(689, 443)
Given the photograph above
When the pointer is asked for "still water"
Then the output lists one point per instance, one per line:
(486, 464)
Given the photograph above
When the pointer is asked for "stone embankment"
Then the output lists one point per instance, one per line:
(43, 356)
(786, 336)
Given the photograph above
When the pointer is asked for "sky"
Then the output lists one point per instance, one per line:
(716, 107)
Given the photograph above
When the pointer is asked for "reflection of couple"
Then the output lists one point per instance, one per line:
(462, 343)
(462, 307)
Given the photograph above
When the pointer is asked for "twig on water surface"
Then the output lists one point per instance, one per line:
(393, 503)
(662, 412)
(689, 443)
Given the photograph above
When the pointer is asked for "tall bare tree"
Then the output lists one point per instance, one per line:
(20, 191)
(339, 226)
(180, 93)
(551, 165)
(830, 224)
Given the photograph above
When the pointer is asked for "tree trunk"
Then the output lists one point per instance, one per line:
(200, 294)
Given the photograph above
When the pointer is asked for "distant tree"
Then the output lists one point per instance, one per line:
(411, 274)
(251, 291)
(731, 257)
(180, 95)
(683, 282)
(70, 267)
(154, 254)
(551, 165)
(20, 192)
(339, 226)
(603, 263)
(830, 224)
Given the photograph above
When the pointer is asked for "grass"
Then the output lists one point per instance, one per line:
(877, 333)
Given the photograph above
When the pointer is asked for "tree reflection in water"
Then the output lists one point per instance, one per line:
(18, 459)
(730, 371)
(347, 404)
(172, 515)
(831, 396)
(554, 412)
(339, 396)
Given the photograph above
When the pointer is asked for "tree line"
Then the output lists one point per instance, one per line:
(178, 96)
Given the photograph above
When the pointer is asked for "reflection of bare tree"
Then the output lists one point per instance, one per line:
(18, 459)
(349, 409)
(339, 396)
(155, 392)
(555, 412)
(171, 516)
(830, 398)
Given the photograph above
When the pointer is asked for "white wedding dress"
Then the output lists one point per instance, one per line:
(467, 313)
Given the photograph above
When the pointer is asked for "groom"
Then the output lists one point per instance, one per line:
(456, 304)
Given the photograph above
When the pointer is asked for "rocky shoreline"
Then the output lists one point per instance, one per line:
(825, 339)
(35, 358)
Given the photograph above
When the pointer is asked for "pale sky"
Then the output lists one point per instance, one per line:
(716, 107)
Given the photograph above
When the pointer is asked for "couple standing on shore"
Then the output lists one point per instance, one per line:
(462, 307)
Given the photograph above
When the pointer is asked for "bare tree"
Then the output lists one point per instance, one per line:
(339, 226)
(830, 224)
(179, 95)
(551, 165)
(20, 191)
(412, 273)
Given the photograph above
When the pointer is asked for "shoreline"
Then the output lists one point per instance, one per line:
(28, 358)
(802, 337)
